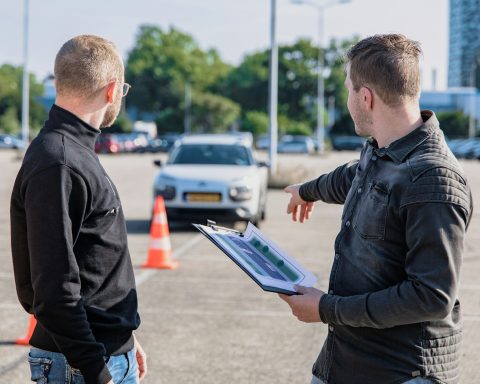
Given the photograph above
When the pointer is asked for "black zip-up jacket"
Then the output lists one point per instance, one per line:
(392, 304)
(69, 246)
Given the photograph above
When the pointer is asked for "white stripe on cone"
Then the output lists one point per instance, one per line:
(160, 218)
(163, 244)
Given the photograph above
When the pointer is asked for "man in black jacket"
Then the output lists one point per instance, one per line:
(73, 271)
(392, 309)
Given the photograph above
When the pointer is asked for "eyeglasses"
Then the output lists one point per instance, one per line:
(125, 88)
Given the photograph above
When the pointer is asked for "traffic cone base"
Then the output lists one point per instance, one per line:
(32, 323)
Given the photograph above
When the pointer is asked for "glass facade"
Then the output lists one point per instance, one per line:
(464, 45)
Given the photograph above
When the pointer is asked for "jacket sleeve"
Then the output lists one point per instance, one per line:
(55, 204)
(435, 229)
(331, 187)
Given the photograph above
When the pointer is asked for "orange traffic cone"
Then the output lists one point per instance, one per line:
(26, 339)
(160, 250)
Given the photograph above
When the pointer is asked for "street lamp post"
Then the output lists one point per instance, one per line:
(273, 90)
(320, 7)
(25, 79)
(473, 99)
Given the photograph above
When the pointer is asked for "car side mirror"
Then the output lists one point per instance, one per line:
(264, 164)
(157, 163)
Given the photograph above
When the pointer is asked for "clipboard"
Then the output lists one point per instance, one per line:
(261, 259)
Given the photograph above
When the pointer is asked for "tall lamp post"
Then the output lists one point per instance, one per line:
(25, 79)
(320, 7)
(472, 126)
(273, 90)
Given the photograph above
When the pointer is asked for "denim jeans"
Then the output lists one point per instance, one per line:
(53, 368)
(417, 380)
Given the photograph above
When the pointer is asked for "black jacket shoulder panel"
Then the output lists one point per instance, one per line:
(436, 176)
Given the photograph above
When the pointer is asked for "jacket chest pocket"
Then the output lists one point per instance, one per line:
(371, 218)
(100, 222)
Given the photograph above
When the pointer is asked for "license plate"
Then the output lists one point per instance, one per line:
(203, 197)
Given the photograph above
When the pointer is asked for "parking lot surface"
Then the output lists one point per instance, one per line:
(207, 322)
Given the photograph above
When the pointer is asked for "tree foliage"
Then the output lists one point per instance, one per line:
(159, 67)
(11, 100)
(454, 124)
(247, 84)
(163, 62)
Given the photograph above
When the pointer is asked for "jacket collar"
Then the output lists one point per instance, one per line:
(66, 123)
(401, 148)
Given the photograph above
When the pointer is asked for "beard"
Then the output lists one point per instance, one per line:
(111, 113)
(361, 120)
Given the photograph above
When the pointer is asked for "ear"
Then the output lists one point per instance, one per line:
(368, 97)
(111, 92)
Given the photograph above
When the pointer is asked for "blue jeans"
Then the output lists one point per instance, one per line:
(417, 380)
(53, 368)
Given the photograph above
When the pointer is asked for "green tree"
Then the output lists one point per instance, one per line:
(287, 126)
(454, 124)
(297, 80)
(9, 122)
(11, 100)
(213, 113)
(255, 122)
(159, 67)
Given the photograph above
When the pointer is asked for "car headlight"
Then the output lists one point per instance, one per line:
(168, 192)
(240, 192)
(165, 187)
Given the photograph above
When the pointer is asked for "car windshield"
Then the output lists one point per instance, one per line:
(211, 154)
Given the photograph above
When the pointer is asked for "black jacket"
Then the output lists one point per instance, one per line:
(392, 305)
(69, 246)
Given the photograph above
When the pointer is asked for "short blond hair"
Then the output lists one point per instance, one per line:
(389, 64)
(85, 64)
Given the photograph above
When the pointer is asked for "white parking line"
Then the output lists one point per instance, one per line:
(143, 276)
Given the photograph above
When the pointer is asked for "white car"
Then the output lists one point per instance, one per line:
(296, 144)
(213, 177)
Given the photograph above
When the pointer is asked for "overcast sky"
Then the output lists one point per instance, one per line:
(234, 28)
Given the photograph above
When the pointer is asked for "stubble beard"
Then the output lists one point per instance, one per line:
(112, 113)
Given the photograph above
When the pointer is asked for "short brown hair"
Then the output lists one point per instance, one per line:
(389, 64)
(85, 64)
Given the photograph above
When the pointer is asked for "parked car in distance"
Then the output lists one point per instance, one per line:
(213, 177)
(263, 142)
(348, 143)
(10, 141)
(169, 140)
(108, 143)
(296, 144)
(466, 148)
(153, 146)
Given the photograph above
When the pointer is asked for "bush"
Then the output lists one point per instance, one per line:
(9, 122)
(293, 127)
(344, 126)
(454, 124)
(255, 122)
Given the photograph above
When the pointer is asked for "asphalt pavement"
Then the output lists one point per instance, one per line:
(207, 322)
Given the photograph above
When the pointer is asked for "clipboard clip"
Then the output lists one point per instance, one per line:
(213, 224)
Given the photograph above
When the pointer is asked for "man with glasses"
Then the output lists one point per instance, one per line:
(72, 267)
